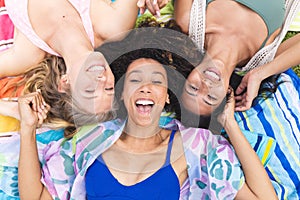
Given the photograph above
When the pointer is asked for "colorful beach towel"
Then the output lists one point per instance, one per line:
(272, 127)
(279, 118)
(9, 158)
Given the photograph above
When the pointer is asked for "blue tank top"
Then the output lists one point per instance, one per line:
(162, 185)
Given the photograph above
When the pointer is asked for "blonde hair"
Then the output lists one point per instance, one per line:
(64, 112)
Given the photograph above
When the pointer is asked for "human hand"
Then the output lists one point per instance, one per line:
(33, 109)
(227, 116)
(153, 6)
(247, 90)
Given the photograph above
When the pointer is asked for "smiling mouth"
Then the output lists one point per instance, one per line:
(144, 106)
(212, 75)
(96, 68)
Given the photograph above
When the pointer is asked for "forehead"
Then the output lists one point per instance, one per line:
(146, 65)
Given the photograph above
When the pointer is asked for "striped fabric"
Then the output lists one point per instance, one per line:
(295, 26)
(6, 28)
(279, 118)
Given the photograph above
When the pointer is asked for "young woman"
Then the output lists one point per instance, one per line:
(65, 112)
(65, 23)
(147, 154)
(187, 163)
(237, 36)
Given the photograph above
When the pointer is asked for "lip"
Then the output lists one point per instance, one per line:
(94, 59)
(144, 106)
(144, 101)
(212, 74)
(96, 68)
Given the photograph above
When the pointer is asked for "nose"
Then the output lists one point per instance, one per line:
(204, 87)
(105, 75)
(100, 76)
(208, 83)
(107, 78)
(145, 88)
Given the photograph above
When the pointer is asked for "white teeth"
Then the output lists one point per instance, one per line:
(96, 68)
(212, 74)
(144, 102)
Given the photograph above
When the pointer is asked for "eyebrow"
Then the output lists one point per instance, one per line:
(207, 102)
(134, 71)
(140, 71)
(210, 104)
(159, 73)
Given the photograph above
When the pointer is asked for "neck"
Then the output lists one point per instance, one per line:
(141, 139)
(140, 131)
(226, 49)
(75, 61)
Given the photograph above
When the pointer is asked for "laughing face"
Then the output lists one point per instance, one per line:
(205, 88)
(93, 87)
(145, 91)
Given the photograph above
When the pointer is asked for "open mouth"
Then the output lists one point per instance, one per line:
(96, 68)
(144, 106)
(212, 74)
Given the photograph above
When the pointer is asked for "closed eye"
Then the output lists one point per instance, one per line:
(193, 88)
(156, 82)
(134, 80)
(212, 98)
(90, 91)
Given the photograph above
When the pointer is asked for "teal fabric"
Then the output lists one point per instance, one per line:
(271, 11)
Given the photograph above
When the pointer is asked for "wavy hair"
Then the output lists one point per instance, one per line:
(64, 112)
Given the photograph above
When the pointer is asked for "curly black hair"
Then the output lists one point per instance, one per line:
(163, 43)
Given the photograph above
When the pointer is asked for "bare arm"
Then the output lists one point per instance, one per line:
(182, 9)
(289, 43)
(258, 184)
(286, 57)
(114, 18)
(20, 57)
(32, 114)
(9, 108)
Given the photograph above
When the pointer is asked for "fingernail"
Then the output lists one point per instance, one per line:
(154, 2)
(140, 4)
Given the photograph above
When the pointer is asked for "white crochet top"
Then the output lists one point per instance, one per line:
(264, 55)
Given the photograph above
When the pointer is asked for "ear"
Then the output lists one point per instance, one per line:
(168, 99)
(63, 84)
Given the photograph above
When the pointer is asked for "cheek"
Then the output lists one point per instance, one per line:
(162, 96)
(128, 92)
(220, 93)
